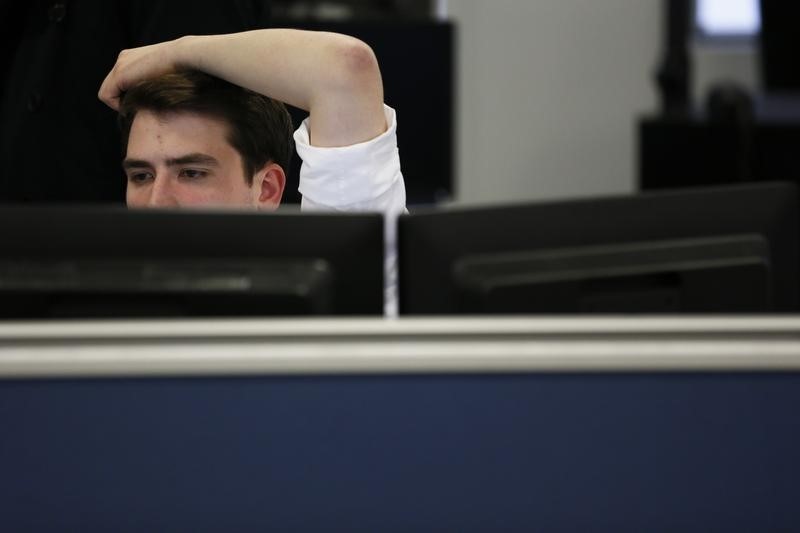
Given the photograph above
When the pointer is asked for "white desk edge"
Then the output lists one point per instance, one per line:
(407, 345)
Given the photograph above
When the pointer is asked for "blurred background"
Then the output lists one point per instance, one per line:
(498, 101)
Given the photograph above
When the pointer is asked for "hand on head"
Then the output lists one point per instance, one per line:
(135, 65)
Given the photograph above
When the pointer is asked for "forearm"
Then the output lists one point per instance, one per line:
(334, 77)
(294, 66)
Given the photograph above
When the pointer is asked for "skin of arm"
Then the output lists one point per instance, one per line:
(334, 77)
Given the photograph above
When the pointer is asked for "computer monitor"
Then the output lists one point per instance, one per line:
(106, 262)
(727, 249)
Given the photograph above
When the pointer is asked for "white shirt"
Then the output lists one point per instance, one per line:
(360, 177)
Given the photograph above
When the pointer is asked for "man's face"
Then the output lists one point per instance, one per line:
(184, 159)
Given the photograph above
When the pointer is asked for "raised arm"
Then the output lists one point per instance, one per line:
(334, 77)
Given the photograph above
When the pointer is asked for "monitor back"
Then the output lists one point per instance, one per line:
(727, 249)
(100, 262)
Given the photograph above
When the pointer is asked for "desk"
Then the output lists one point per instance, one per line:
(477, 424)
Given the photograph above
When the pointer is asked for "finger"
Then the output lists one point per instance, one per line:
(111, 91)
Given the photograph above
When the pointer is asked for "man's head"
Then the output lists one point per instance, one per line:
(193, 139)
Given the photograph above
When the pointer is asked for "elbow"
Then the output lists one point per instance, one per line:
(358, 66)
(359, 58)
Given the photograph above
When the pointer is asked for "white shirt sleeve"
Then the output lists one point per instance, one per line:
(360, 177)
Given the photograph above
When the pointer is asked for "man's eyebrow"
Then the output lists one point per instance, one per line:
(193, 159)
(188, 159)
(135, 163)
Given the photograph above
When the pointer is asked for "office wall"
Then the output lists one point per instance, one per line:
(549, 91)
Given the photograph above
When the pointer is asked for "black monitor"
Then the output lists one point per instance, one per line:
(728, 249)
(106, 262)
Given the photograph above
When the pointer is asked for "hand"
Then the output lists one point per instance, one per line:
(135, 65)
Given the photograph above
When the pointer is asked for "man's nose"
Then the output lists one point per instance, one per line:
(162, 193)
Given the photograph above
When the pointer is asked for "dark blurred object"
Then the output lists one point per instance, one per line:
(780, 45)
(674, 73)
(730, 105)
(416, 60)
(58, 142)
(693, 150)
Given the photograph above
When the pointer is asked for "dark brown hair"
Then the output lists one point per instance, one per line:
(259, 128)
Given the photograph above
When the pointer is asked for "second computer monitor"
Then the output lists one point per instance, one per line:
(728, 249)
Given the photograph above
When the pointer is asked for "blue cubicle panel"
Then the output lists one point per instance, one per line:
(533, 451)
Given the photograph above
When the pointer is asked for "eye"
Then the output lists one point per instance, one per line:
(193, 173)
(139, 178)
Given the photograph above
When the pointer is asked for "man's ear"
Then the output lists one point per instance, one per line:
(268, 185)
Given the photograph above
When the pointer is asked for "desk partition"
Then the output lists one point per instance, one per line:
(481, 424)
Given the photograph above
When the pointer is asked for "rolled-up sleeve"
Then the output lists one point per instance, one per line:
(360, 177)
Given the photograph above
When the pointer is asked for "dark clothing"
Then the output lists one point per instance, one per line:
(58, 142)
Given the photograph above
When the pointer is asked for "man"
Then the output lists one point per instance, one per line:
(188, 142)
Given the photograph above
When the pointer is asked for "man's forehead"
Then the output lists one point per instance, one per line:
(178, 117)
(176, 133)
